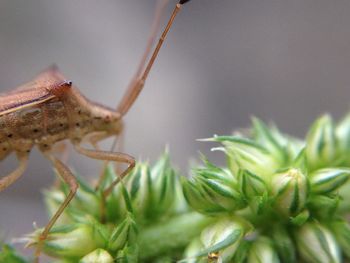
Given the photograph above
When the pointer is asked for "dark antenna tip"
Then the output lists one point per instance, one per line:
(183, 2)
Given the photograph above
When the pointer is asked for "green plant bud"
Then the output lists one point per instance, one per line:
(198, 198)
(284, 244)
(341, 230)
(165, 182)
(342, 132)
(326, 180)
(97, 256)
(220, 239)
(245, 154)
(259, 204)
(191, 253)
(321, 143)
(128, 254)
(152, 190)
(242, 251)
(139, 185)
(300, 162)
(300, 218)
(74, 240)
(272, 140)
(125, 233)
(250, 184)
(344, 194)
(290, 190)
(323, 206)
(212, 190)
(317, 244)
(261, 251)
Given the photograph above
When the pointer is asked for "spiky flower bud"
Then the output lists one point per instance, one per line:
(317, 244)
(152, 190)
(290, 190)
(272, 140)
(74, 240)
(343, 139)
(123, 234)
(220, 239)
(250, 184)
(213, 190)
(326, 180)
(321, 143)
(99, 255)
(283, 244)
(246, 154)
(262, 250)
(341, 230)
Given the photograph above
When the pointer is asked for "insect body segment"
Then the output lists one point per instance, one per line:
(68, 115)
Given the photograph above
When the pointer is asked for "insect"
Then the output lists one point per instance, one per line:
(50, 109)
(213, 257)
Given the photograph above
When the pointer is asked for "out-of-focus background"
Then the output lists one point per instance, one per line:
(224, 61)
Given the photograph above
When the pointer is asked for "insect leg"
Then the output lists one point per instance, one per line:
(13, 176)
(117, 145)
(110, 156)
(69, 179)
(61, 148)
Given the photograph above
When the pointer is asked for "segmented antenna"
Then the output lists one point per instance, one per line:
(138, 82)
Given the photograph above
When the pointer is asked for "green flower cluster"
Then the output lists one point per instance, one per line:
(145, 219)
(279, 199)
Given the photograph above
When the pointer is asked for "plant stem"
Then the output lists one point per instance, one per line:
(174, 234)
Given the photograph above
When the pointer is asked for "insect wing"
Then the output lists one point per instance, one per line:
(49, 77)
(40, 89)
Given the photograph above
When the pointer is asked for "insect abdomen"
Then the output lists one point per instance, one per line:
(42, 124)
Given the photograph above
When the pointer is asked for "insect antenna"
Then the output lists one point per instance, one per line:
(138, 81)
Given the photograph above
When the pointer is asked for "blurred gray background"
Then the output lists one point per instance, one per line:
(224, 61)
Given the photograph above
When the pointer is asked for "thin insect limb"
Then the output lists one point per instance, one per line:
(117, 146)
(93, 140)
(61, 148)
(9, 179)
(109, 156)
(69, 179)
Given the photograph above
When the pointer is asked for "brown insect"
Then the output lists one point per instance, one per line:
(50, 109)
(213, 257)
